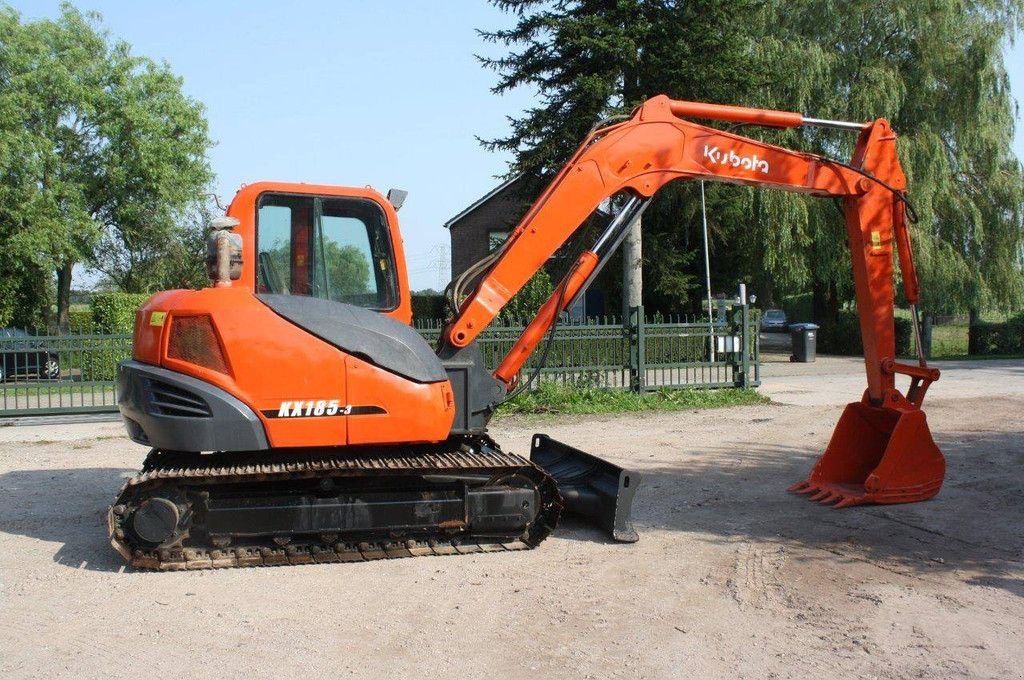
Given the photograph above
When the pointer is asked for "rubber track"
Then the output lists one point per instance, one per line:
(162, 466)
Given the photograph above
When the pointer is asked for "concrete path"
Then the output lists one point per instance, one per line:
(838, 380)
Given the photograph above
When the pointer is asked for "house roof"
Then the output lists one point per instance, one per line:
(482, 200)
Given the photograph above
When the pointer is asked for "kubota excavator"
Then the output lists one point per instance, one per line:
(294, 415)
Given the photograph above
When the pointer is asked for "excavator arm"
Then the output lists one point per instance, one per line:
(655, 146)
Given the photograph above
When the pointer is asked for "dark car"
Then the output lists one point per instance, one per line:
(23, 356)
(774, 320)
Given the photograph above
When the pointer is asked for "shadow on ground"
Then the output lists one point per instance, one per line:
(66, 506)
(974, 527)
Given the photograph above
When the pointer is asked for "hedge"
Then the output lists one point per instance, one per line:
(80, 318)
(843, 337)
(115, 312)
(987, 339)
(112, 313)
(428, 307)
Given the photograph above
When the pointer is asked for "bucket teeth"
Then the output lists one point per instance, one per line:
(804, 488)
(828, 495)
(847, 501)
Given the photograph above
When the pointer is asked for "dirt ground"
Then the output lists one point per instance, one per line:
(732, 576)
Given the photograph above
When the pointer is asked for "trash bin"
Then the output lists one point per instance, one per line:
(804, 339)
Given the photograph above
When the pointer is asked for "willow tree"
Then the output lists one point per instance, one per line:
(935, 69)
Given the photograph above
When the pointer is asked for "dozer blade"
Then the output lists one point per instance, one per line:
(590, 487)
(876, 455)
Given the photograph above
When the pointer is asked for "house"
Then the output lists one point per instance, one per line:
(485, 224)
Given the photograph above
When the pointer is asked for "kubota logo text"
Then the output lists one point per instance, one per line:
(733, 159)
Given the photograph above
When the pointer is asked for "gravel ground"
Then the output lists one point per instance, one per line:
(731, 577)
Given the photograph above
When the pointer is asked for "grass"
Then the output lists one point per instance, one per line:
(949, 341)
(45, 389)
(553, 398)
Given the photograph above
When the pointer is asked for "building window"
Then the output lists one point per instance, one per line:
(495, 239)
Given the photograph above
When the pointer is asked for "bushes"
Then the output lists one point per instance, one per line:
(843, 337)
(115, 312)
(80, 318)
(428, 308)
(522, 308)
(988, 339)
(112, 313)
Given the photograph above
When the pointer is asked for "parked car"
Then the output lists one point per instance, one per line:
(774, 320)
(23, 355)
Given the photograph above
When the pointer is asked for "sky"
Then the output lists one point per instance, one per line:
(385, 94)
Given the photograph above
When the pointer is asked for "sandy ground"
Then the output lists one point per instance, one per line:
(732, 576)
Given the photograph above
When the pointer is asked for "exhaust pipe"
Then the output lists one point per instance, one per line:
(590, 487)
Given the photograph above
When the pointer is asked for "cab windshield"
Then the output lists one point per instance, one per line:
(327, 247)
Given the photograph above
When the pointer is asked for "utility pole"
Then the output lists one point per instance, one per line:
(632, 272)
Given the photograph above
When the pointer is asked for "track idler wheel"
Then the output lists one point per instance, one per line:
(877, 455)
(155, 520)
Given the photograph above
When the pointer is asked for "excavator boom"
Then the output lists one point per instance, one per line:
(654, 147)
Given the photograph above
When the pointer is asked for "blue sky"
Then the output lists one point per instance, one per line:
(385, 94)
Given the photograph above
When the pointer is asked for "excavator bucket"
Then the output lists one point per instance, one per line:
(876, 455)
(590, 487)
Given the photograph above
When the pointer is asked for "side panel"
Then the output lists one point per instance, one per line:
(281, 372)
(413, 411)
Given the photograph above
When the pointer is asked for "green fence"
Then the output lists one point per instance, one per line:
(660, 352)
(649, 355)
(51, 374)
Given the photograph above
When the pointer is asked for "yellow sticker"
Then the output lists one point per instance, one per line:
(876, 239)
(157, 318)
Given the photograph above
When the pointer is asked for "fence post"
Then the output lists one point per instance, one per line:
(741, 378)
(637, 360)
(926, 336)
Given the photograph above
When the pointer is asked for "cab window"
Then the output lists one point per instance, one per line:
(332, 248)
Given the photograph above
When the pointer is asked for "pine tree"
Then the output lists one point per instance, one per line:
(589, 59)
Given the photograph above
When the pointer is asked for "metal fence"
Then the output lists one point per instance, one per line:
(643, 354)
(659, 352)
(51, 374)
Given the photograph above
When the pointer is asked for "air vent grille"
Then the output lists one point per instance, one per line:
(169, 400)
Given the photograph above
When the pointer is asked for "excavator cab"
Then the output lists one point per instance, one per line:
(329, 247)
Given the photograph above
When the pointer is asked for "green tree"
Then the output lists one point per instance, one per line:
(348, 270)
(589, 59)
(934, 68)
(148, 266)
(524, 305)
(343, 273)
(99, 148)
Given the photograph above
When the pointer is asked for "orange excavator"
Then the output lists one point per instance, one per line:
(294, 415)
